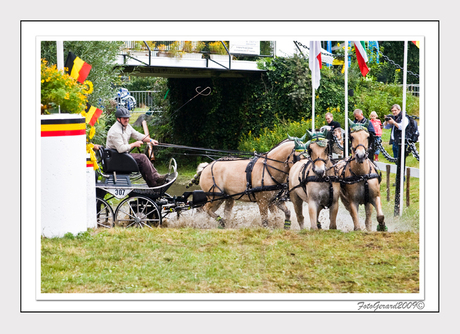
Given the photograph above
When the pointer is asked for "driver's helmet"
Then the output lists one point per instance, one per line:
(122, 112)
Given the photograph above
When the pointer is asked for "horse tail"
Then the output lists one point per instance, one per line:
(196, 177)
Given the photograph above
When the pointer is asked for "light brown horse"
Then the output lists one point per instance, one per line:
(360, 179)
(261, 179)
(313, 180)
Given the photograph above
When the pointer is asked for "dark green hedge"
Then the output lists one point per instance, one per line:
(237, 106)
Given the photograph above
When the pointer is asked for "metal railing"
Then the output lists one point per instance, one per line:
(145, 100)
(138, 101)
(414, 89)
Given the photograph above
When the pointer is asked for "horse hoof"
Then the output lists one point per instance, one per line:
(220, 223)
(319, 226)
(287, 224)
(382, 228)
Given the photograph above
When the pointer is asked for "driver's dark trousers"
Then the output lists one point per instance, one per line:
(148, 172)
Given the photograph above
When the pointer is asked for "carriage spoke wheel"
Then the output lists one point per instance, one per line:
(138, 211)
(104, 214)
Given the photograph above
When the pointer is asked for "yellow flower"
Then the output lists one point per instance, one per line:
(92, 132)
(90, 88)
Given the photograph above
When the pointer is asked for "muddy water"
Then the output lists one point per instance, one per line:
(246, 215)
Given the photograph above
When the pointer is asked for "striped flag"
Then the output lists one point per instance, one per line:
(362, 57)
(417, 43)
(92, 114)
(315, 63)
(76, 67)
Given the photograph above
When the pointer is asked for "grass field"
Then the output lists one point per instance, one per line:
(240, 260)
(230, 261)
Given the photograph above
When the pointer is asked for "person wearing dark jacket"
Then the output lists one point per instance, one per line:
(359, 118)
(330, 122)
(396, 124)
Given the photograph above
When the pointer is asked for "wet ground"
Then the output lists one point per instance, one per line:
(246, 215)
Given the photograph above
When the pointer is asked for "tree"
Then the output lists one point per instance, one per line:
(101, 55)
(387, 72)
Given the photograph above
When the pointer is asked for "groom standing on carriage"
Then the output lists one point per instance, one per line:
(118, 138)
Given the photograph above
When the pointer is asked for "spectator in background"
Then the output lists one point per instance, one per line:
(378, 133)
(330, 122)
(359, 118)
(337, 152)
(396, 124)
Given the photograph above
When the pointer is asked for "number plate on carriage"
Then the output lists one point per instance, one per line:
(119, 192)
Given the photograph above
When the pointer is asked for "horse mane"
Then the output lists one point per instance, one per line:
(230, 158)
(279, 144)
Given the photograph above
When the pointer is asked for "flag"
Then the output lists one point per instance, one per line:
(362, 57)
(416, 43)
(315, 63)
(77, 68)
(92, 114)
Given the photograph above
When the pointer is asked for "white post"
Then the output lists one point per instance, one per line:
(403, 133)
(60, 55)
(63, 177)
(60, 59)
(313, 107)
(346, 98)
(91, 213)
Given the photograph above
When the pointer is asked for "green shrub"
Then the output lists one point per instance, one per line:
(269, 137)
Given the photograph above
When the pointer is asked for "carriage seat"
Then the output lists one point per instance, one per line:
(120, 163)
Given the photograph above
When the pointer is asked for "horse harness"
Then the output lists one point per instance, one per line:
(282, 187)
(304, 179)
(359, 178)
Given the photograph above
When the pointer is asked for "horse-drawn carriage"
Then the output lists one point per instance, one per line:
(137, 205)
(263, 179)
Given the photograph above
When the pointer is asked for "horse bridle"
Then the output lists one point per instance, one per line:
(366, 154)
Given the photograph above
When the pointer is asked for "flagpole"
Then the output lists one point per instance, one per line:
(60, 55)
(60, 59)
(346, 98)
(313, 107)
(403, 132)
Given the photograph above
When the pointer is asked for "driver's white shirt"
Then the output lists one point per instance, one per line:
(118, 138)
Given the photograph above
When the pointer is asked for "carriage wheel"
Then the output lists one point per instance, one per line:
(104, 213)
(138, 211)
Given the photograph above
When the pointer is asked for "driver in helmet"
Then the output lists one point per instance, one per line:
(118, 138)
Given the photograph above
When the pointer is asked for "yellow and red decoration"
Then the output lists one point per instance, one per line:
(62, 127)
(77, 68)
(92, 161)
(91, 114)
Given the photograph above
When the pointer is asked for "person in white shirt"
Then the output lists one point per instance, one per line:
(118, 138)
(396, 123)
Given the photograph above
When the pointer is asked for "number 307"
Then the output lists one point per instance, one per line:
(119, 192)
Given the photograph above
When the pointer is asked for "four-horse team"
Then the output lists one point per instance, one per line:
(302, 171)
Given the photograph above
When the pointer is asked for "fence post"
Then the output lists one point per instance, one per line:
(388, 182)
(408, 187)
(398, 180)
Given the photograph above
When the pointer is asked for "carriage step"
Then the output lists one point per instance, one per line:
(121, 181)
